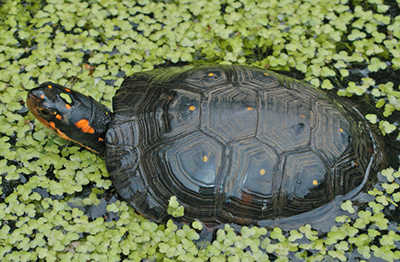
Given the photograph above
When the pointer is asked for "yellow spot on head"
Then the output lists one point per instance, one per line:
(210, 74)
(192, 108)
(68, 106)
(67, 98)
(262, 171)
(205, 159)
(249, 108)
(58, 117)
(49, 86)
(302, 116)
(266, 74)
(315, 182)
(83, 125)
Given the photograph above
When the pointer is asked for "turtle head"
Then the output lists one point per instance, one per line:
(71, 115)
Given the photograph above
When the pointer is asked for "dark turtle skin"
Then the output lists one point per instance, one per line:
(234, 144)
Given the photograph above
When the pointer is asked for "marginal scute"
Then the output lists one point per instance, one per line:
(236, 144)
(330, 121)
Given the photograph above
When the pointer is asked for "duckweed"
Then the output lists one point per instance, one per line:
(50, 188)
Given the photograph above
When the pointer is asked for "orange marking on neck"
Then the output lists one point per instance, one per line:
(53, 127)
(68, 106)
(83, 124)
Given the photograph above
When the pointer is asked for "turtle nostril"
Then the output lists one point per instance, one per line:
(36, 93)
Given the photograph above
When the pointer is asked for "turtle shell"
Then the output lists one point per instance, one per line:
(235, 144)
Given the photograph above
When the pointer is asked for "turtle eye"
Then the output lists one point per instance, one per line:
(45, 112)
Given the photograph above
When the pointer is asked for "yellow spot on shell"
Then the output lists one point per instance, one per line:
(58, 117)
(249, 108)
(266, 74)
(302, 116)
(192, 108)
(68, 90)
(341, 130)
(262, 172)
(42, 96)
(210, 74)
(205, 159)
(315, 182)
(68, 106)
(49, 86)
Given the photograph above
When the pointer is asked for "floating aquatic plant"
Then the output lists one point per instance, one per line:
(48, 186)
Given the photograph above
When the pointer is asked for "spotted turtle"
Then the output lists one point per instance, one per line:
(233, 143)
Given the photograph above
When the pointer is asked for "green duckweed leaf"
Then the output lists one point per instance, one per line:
(309, 234)
(342, 219)
(174, 209)
(294, 235)
(396, 197)
(375, 192)
(365, 251)
(376, 207)
(197, 225)
(390, 188)
(342, 245)
(372, 118)
(173, 202)
(386, 127)
(326, 84)
(348, 206)
(112, 208)
(277, 234)
(338, 254)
